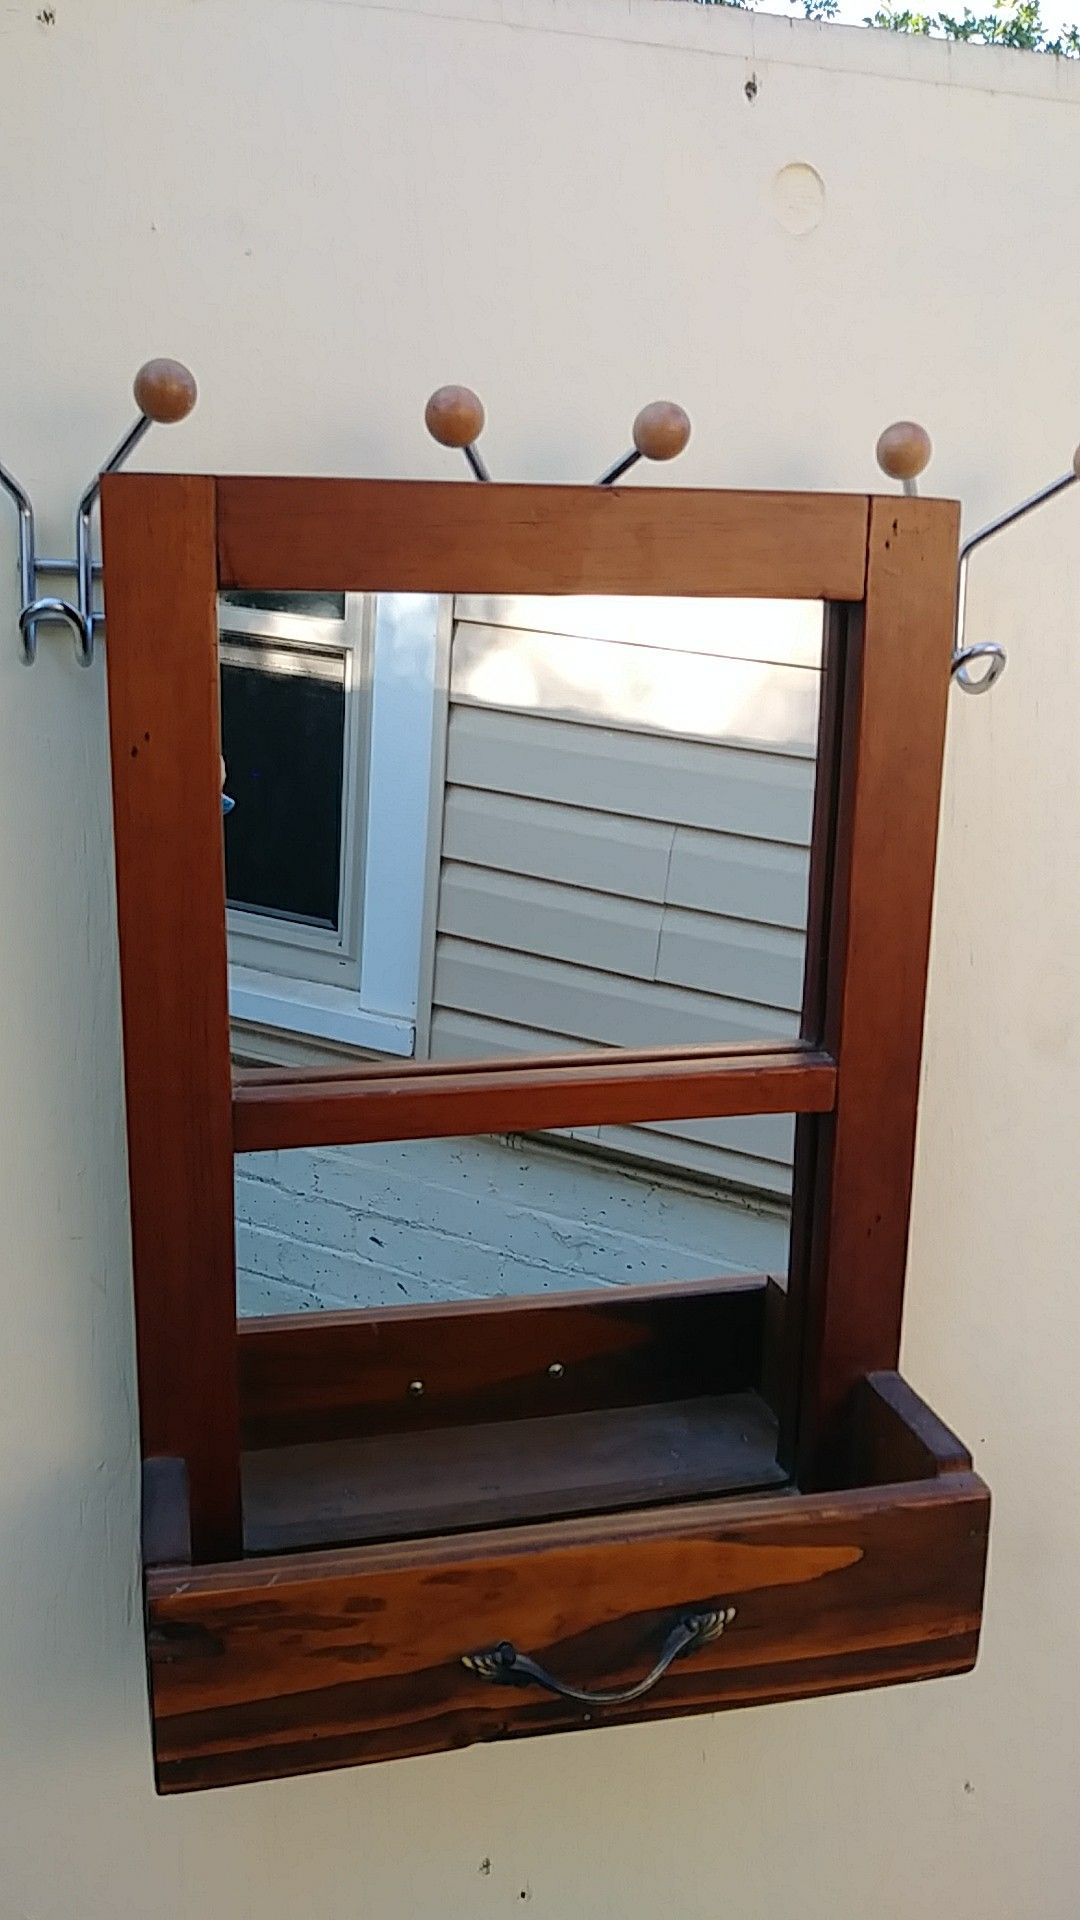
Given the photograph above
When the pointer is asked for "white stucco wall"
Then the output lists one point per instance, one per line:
(328, 208)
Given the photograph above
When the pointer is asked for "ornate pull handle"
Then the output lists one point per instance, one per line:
(506, 1667)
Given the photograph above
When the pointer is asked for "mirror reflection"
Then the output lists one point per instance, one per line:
(511, 825)
(410, 1223)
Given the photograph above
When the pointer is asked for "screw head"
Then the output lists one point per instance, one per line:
(556, 1370)
(416, 1388)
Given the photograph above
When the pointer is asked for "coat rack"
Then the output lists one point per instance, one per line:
(165, 391)
(455, 418)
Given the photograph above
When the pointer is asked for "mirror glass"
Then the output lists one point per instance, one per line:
(423, 1224)
(503, 826)
(517, 825)
(414, 1222)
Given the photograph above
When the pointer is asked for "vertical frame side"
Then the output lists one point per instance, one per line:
(160, 547)
(896, 683)
(838, 619)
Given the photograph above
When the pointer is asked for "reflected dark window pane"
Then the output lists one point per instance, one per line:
(283, 733)
(320, 606)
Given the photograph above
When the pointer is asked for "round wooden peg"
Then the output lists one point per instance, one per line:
(661, 430)
(165, 391)
(454, 416)
(903, 450)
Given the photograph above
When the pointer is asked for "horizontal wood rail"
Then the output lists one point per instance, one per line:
(294, 535)
(524, 1063)
(425, 1103)
(310, 1377)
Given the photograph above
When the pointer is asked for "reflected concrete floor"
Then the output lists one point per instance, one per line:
(403, 1223)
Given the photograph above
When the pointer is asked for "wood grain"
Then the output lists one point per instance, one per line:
(425, 1103)
(160, 591)
(329, 1376)
(850, 1288)
(298, 1663)
(453, 537)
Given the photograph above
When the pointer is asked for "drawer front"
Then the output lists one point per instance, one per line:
(282, 1666)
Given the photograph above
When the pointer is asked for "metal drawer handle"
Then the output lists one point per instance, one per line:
(508, 1668)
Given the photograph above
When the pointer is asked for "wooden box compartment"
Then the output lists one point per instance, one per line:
(295, 1662)
(390, 1538)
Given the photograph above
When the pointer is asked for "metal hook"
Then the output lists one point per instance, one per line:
(454, 416)
(989, 650)
(164, 391)
(903, 450)
(660, 432)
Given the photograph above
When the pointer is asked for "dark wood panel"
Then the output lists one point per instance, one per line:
(166, 1513)
(440, 1480)
(893, 1435)
(849, 1289)
(303, 1662)
(160, 590)
(328, 1376)
(417, 1106)
(820, 912)
(447, 537)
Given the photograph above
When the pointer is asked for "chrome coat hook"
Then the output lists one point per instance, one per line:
(454, 416)
(660, 432)
(987, 650)
(165, 391)
(903, 451)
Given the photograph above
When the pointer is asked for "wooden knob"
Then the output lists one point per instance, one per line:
(661, 430)
(165, 390)
(903, 450)
(454, 416)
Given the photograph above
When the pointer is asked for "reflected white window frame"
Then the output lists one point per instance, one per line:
(361, 987)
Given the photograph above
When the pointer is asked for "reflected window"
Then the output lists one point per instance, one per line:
(329, 713)
(283, 725)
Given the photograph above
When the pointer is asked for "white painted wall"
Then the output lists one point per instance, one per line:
(328, 208)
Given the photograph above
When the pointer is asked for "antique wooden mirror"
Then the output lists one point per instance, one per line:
(386, 1530)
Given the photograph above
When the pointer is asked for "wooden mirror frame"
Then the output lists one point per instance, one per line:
(867, 1565)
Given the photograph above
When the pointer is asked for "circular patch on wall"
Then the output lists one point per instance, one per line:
(798, 197)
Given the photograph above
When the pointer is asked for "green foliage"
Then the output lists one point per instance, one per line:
(1006, 25)
(811, 9)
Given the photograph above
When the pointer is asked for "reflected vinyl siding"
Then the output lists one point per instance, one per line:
(631, 882)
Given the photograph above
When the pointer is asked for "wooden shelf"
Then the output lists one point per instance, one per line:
(403, 1485)
(298, 1661)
